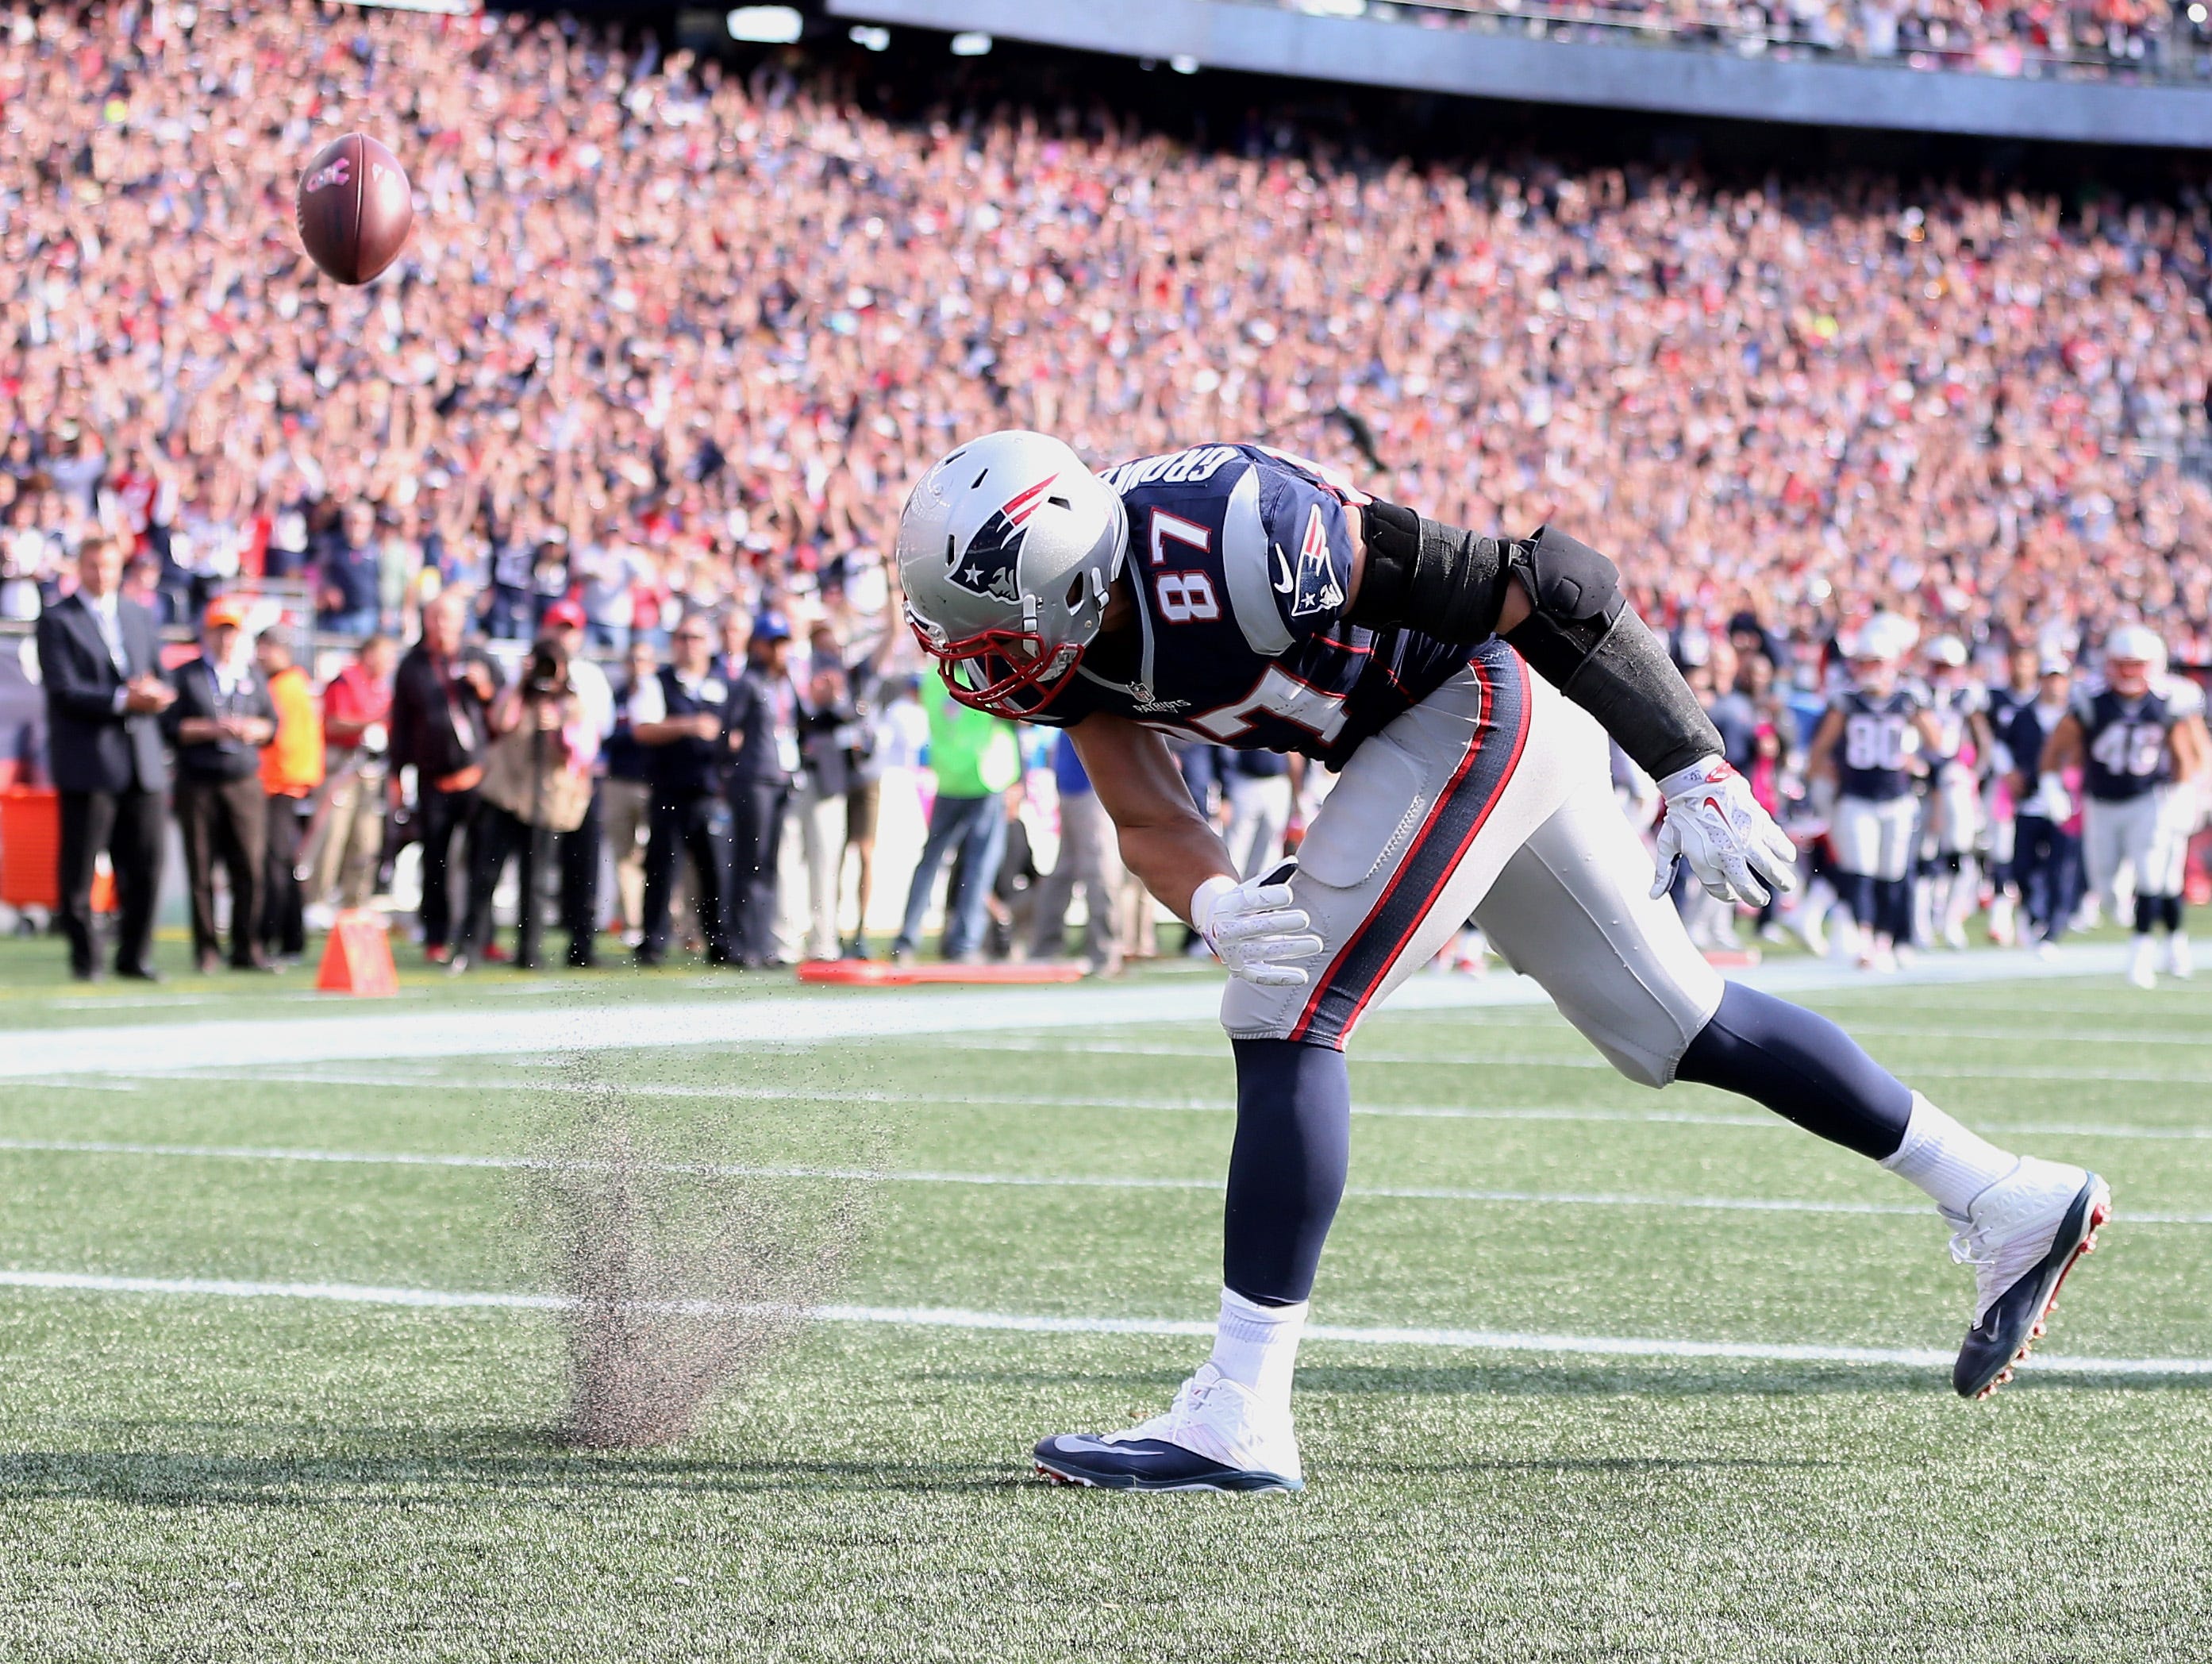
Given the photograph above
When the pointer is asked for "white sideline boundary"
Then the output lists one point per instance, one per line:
(1011, 1181)
(1073, 1046)
(939, 1317)
(1594, 1114)
(790, 1020)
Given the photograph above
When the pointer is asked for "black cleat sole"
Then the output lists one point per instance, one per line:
(2008, 1331)
(1224, 1483)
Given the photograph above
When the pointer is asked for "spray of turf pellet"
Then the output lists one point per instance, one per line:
(683, 1276)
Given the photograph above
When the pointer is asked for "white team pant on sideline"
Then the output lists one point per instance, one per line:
(1955, 810)
(1491, 797)
(1259, 812)
(2148, 835)
(1873, 837)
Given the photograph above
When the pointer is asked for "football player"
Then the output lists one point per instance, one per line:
(2001, 702)
(1959, 746)
(1867, 750)
(1464, 686)
(2141, 743)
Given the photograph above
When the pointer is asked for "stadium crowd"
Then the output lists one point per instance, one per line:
(669, 344)
(2094, 37)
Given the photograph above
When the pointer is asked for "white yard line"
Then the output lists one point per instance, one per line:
(1077, 1047)
(1018, 1180)
(373, 1035)
(939, 1317)
(1030, 1100)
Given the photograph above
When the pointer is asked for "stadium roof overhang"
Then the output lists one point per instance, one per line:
(1270, 39)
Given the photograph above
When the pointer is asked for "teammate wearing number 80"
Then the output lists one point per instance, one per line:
(1464, 686)
(2141, 743)
(1867, 748)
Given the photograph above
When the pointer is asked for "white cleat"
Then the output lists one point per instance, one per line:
(1216, 1436)
(2178, 965)
(2021, 1235)
(2143, 972)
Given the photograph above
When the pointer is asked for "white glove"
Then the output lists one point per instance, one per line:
(1254, 927)
(2050, 801)
(1732, 844)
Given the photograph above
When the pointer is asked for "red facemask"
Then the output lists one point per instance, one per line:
(1007, 673)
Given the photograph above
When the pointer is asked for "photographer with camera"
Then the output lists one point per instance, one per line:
(441, 699)
(537, 784)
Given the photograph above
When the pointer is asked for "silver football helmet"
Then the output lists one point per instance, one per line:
(1007, 549)
(1885, 637)
(2136, 643)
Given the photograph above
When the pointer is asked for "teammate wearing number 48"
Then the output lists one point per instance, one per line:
(2140, 744)
(1464, 686)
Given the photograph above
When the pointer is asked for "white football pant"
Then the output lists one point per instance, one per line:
(1491, 797)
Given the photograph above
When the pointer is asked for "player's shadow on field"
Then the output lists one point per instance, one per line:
(493, 1471)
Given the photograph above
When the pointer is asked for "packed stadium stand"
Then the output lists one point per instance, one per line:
(2112, 71)
(671, 330)
(2118, 37)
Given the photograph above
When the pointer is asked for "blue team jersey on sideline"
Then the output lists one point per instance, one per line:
(1240, 558)
(1953, 709)
(1871, 758)
(2124, 743)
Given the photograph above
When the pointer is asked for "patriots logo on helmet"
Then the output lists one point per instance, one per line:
(987, 568)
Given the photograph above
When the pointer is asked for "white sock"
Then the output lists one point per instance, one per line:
(1953, 1165)
(1257, 1346)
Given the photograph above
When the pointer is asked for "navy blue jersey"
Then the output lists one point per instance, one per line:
(2004, 707)
(1240, 558)
(1870, 758)
(2123, 741)
(1953, 708)
(2032, 725)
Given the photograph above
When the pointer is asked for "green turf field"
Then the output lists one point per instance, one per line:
(194, 1476)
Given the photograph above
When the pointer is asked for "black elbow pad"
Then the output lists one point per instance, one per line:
(1576, 600)
(1582, 636)
(1445, 582)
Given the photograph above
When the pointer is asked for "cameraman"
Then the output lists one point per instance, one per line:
(536, 783)
(442, 697)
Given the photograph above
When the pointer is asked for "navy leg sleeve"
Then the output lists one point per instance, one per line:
(1857, 890)
(1894, 903)
(1287, 1171)
(1801, 1066)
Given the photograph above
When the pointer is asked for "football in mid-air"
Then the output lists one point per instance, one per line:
(356, 209)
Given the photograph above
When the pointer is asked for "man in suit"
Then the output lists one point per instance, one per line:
(99, 658)
(677, 718)
(762, 726)
(222, 717)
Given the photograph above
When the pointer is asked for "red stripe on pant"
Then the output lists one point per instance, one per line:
(1476, 751)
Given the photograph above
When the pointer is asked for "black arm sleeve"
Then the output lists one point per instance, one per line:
(1442, 581)
(1582, 636)
(1631, 686)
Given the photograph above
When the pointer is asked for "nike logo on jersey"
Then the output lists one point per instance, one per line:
(1284, 583)
(1316, 589)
